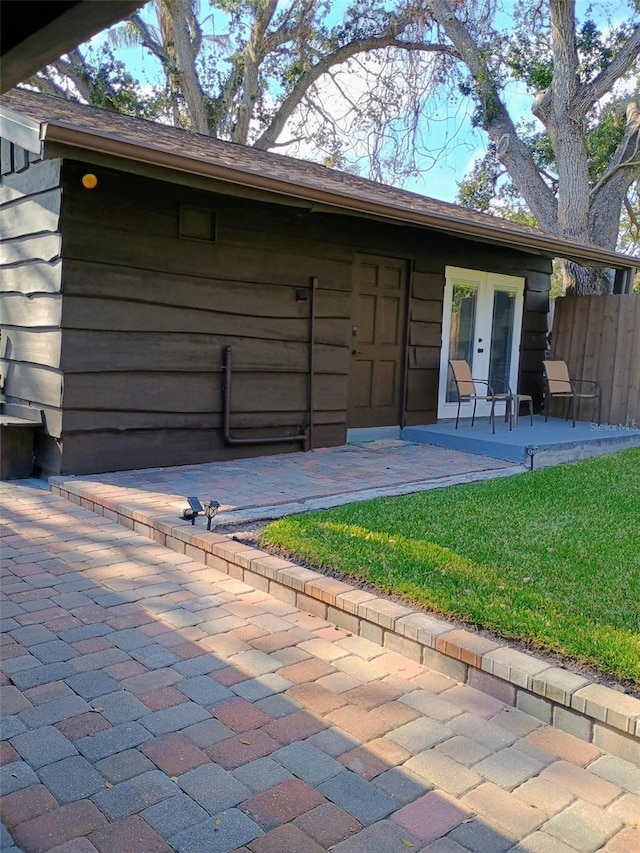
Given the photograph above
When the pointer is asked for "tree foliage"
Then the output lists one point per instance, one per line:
(270, 73)
(358, 86)
(580, 161)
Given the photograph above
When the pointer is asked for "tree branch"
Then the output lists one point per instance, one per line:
(227, 94)
(626, 157)
(622, 62)
(47, 85)
(339, 56)
(633, 219)
(253, 55)
(180, 47)
(147, 40)
(73, 69)
(288, 142)
(607, 196)
(195, 30)
(290, 29)
(497, 122)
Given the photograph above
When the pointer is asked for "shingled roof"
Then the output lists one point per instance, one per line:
(88, 128)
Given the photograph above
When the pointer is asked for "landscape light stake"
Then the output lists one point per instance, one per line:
(531, 452)
(211, 511)
(195, 508)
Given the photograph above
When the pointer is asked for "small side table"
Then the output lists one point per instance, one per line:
(517, 400)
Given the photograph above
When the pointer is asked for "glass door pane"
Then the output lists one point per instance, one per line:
(504, 305)
(462, 329)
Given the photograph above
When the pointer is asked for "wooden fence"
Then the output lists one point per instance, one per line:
(599, 338)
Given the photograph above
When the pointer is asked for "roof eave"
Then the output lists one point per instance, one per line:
(539, 243)
(21, 130)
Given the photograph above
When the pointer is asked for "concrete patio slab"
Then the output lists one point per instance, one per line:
(535, 445)
(188, 782)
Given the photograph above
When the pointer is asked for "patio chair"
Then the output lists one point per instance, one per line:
(558, 383)
(466, 388)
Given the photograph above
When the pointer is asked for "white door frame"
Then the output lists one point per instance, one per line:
(487, 284)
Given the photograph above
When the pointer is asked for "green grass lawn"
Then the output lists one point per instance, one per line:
(550, 557)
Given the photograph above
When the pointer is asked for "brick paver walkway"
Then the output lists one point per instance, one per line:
(291, 482)
(153, 704)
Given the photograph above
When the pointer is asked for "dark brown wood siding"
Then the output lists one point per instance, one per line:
(30, 291)
(534, 331)
(147, 315)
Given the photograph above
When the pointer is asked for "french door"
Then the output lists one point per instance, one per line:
(482, 323)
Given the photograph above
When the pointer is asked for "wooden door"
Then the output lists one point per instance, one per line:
(377, 342)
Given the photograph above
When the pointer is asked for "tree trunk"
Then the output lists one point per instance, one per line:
(183, 50)
(565, 126)
(585, 281)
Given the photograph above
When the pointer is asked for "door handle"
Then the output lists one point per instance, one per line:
(480, 350)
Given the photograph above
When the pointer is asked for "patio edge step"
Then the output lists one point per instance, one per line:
(597, 714)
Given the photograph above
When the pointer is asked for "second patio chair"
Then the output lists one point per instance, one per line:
(466, 388)
(558, 383)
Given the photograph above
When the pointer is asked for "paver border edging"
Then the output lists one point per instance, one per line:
(592, 712)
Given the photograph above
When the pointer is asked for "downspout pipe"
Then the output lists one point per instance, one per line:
(312, 367)
(407, 331)
(623, 281)
(265, 439)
